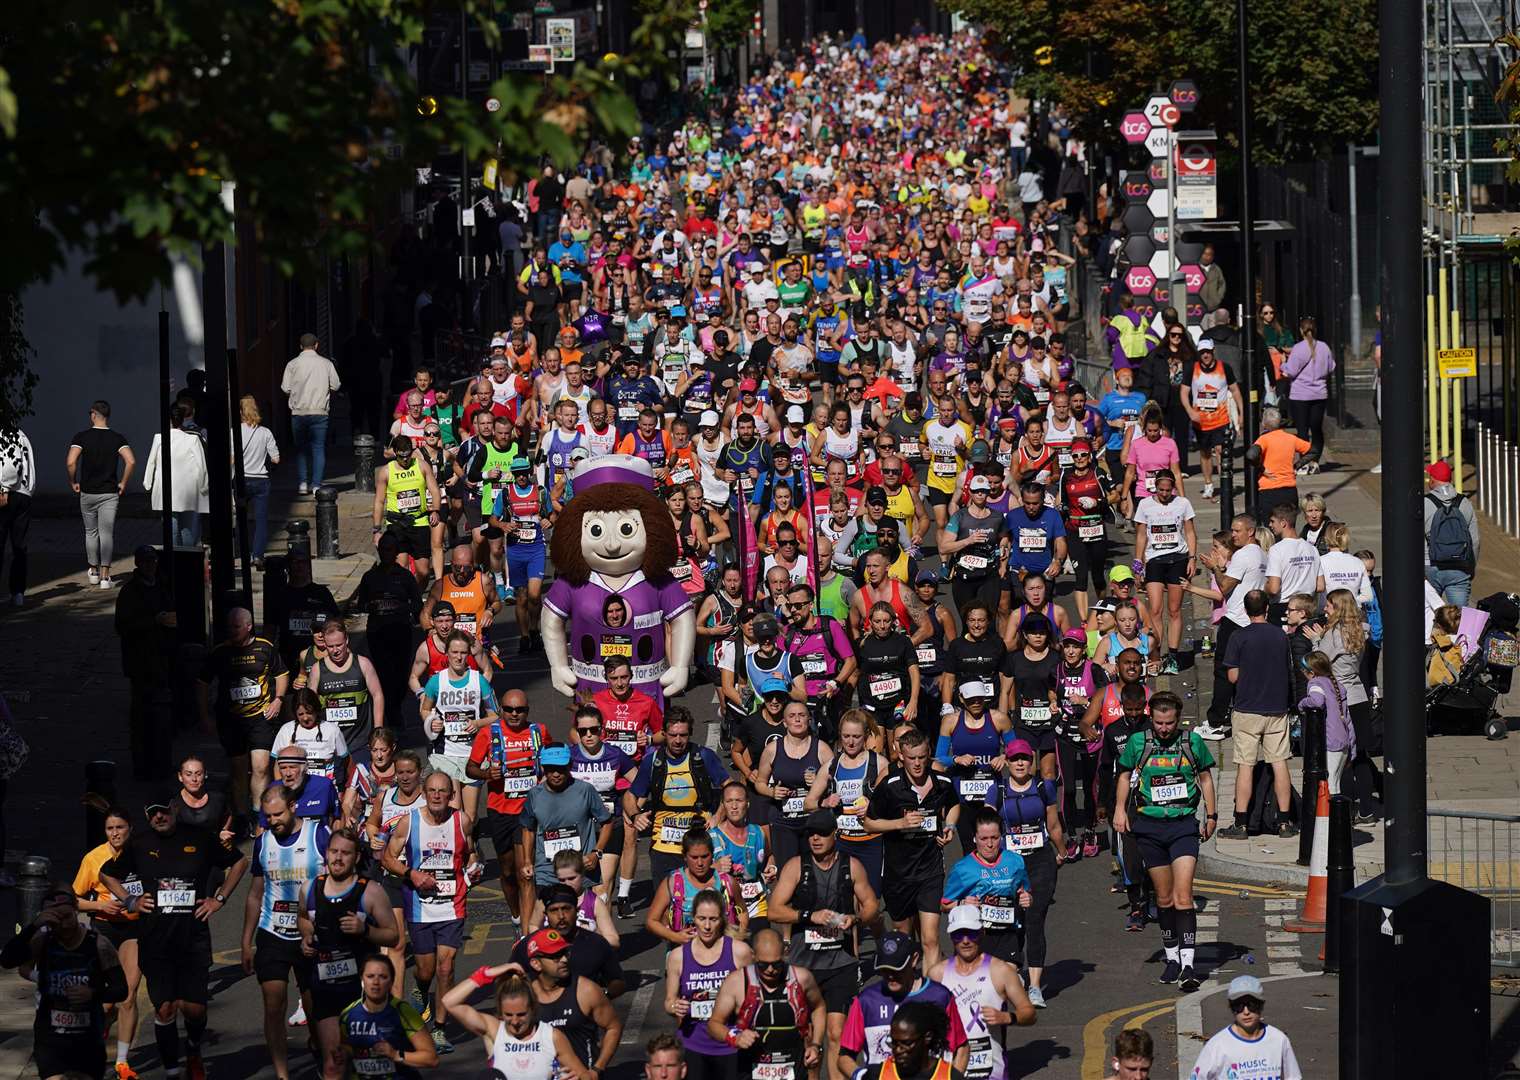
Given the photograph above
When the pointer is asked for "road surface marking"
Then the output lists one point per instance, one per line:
(638, 1012)
(1095, 1034)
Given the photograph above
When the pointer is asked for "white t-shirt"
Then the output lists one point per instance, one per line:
(1269, 1056)
(324, 744)
(1345, 571)
(1163, 525)
(1248, 566)
(1296, 563)
(756, 293)
(798, 573)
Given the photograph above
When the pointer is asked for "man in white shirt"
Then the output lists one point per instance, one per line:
(1245, 571)
(309, 382)
(18, 475)
(759, 288)
(1293, 564)
(1250, 1048)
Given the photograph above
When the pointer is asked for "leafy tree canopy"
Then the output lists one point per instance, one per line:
(1313, 63)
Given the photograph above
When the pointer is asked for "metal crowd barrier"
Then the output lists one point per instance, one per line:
(1498, 493)
(1476, 851)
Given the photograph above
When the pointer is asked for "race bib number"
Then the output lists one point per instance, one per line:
(975, 562)
(1165, 537)
(132, 887)
(930, 824)
(170, 901)
(1090, 532)
(245, 691)
(298, 624)
(447, 885)
(456, 729)
(980, 1061)
(284, 915)
(908, 449)
(672, 834)
(527, 531)
(1063, 458)
(975, 789)
(882, 685)
(628, 412)
(701, 1010)
(343, 714)
(944, 465)
(616, 645)
(1166, 790)
(814, 667)
(68, 1020)
(1150, 483)
(998, 915)
(518, 783)
(1032, 540)
(849, 823)
(627, 746)
(1208, 402)
(927, 654)
(823, 937)
(1035, 714)
(334, 970)
(557, 840)
(792, 807)
(374, 1066)
(773, 1070)
(1022, 841)
(681, 571)
(751, 890)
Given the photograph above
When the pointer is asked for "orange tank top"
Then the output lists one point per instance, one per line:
(469, 602)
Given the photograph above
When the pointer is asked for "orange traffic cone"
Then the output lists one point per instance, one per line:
(1311, 920)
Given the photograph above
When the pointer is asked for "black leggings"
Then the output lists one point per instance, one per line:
(1309, 422)
(1042, 885)
(1366, 780)
(712, 1066)
(1078, 770)
(1224, 689)
(1369, 665)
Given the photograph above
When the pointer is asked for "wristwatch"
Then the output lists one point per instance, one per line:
(220, 899)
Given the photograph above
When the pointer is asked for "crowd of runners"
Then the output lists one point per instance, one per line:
(838, 323)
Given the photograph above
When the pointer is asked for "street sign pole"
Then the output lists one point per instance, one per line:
(1176, 284)
(1247, 256)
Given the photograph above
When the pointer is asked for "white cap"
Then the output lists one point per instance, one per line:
(707, 419)
(795, 415)
(981, 483)
(975, 688)
(498, 343)
(1205, 345)
(965, 917)
(1246, 986)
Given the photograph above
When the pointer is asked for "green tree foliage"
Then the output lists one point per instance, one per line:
(119, 121)
(1313, 63)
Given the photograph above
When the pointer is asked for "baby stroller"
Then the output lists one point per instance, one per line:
(1490, 653)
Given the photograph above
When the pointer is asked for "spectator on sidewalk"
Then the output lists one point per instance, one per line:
(1316, 520)
(1293, 564)
(192, 488)
(259, 449)
(1344, 641)
(309, 381)
(145, 621)
(1256, 662)
(1249, 1048)
(18, 476)
(1272, 455)
(91, 464)
(1323, 692)
(1308, 366)
(1246, 570)
(1452, 538)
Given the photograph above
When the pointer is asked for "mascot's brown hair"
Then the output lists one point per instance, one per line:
(659, 554)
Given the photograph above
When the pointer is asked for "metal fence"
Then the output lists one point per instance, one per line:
(1498, 490)
(1476, 851)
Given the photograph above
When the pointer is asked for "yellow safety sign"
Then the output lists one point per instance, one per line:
(1458, 363)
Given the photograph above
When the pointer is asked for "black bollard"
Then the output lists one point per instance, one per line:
(1315, 770)
(298, 536)
(1227, 482)
(99, 796)
(364, 463)
(31, 887)
(327, 523)
(1340, 878)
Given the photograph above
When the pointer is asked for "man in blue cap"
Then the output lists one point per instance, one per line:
(523, 513)
(560, 814)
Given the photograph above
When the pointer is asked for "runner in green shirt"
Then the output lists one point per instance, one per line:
(1164, 774)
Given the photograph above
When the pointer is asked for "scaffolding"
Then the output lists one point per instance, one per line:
(1471, 209)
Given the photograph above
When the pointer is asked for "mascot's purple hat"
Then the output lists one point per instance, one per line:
(614, 469)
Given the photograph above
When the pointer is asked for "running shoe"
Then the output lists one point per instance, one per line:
(93, 574)
(1170, 972)
(1189, 981)
(1287, 828)
(1169, 665)
(1208, 731)
(125, 1071)
(441, 1042)
(297, 1018)
(423, 1005)
(195, 1067)
(1037, 997)
(1233, 832)
(1134, 922)
(1368, 819)
(1073, 850)
(1208, 491)
(508, 594)
(1090, 846)
(622, 907)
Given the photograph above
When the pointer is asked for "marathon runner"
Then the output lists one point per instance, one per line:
(988, 994)
(349, 686)
(694, 973)
(174, 864)
(788, 766)
(772, 1013)
(455, 705)
(1027, 808)
(610, 771)
(573, 1005)
(523, 1046)
(506, 756)
(343, 919)
(110, 918)
(866, 1039)
(408, 503)
(381, 1034)
(251, 683)
(970, 750)
(1174, 774)
(743, 851)
(560, 815)
(918, 1042)
(676, 788)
